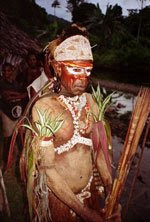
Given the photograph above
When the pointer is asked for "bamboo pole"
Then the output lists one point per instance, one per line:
(136, 125)
(138, 166)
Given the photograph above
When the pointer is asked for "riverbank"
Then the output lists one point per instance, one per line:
(116, 86)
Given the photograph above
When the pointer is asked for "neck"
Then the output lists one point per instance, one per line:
(66, 93)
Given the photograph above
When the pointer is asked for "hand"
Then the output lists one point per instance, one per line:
(92, 216)
(116, 216)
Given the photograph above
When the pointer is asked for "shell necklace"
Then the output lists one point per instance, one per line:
(75, 105)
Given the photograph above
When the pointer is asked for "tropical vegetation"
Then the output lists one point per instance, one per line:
(122, 44)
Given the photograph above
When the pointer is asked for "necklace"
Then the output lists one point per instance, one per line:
(74, 105)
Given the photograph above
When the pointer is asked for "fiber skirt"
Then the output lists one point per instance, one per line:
(62, 213)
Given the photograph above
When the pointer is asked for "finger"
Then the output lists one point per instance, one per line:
(112, 216)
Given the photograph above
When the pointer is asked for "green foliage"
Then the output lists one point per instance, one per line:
(55, 4)
(119, 48)
(123, 43)
(26, 15)
(53, 29)
(106, 59)
(31, 18)
(85, 9)
(102, 103)
(133, 20)
(45, 126)
(73, 4)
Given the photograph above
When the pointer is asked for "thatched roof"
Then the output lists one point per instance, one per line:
(14, 41)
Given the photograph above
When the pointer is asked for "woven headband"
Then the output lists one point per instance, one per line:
(73, 48)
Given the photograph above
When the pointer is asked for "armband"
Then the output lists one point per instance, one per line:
(46, 142)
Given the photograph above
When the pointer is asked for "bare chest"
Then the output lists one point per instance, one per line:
(77, 119)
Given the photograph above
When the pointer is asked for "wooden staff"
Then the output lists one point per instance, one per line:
(136, 125)
(138, 166)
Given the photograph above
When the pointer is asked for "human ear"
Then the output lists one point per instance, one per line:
(56, 67)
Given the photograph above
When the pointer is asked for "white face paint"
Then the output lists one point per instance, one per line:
(75, 70)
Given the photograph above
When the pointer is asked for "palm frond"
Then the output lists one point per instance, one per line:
(46, 126)
(30, 127)
(102, 104)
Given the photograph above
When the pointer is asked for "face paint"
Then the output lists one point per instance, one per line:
(75, 76)
(79, 70)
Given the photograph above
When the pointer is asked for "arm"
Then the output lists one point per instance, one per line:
(104, 172)
(102, 162)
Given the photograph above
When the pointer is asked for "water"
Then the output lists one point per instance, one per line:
(124, 102)
(139, 207)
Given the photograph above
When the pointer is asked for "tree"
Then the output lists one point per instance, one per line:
(140, 21)
(72, 5)
(86, 9)
(55, 4)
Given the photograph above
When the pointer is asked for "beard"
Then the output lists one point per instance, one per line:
(79, 86)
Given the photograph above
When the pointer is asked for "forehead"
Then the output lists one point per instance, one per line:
(79, 63)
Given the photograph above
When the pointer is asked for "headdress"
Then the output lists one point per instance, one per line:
(76, 47)
(73, 48)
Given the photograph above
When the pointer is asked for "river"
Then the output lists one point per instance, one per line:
(139, 207)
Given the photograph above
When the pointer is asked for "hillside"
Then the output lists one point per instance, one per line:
(25, 26)
(31, 18)
(122, 43)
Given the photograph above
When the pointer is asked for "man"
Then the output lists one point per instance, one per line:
(33, 70)
(13, 101)
(30, 71)
(61, 184)
(41, 80)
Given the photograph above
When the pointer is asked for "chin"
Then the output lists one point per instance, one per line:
(78, 91)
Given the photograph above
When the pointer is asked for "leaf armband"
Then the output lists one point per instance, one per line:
(45, 127)
(46, 142)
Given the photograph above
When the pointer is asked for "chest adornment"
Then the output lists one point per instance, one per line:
(75, 106)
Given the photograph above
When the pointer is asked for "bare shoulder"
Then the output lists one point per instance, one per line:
(47, 104)
(92, 103)
(90, 98)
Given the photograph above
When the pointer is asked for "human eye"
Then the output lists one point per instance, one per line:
(88, 71)
(77, 70)
(74, 70)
